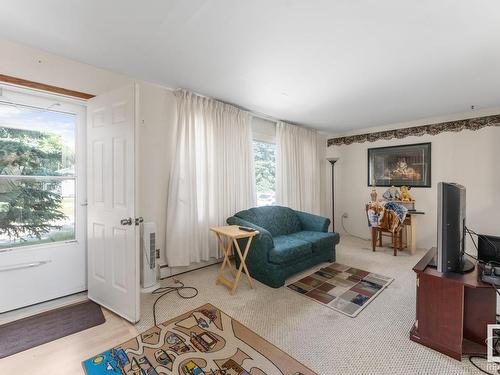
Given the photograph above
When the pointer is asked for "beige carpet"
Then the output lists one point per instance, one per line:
(328, 342)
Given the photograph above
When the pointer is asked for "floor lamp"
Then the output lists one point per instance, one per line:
(332, 162)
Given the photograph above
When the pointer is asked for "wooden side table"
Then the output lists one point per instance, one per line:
(411, 230)
(228, 236)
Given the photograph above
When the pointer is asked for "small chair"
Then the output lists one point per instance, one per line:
(396, 238)
(379, 232)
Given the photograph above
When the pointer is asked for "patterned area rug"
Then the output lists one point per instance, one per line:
(202, 341)
(343, 288)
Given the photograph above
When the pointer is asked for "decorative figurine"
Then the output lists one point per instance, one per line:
(392, 194)
(405, 194)
(373, 195)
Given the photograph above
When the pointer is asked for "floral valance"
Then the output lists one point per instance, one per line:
(432, 129)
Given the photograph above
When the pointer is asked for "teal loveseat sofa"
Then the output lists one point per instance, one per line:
(289, 242)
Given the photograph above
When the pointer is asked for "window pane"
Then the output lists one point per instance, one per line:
(265, 172)
(36, 211)
(36, 142)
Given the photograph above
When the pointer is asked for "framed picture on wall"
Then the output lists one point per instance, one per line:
(408, 165)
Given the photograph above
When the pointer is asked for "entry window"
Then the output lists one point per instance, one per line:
(265, 172)
(37, 175)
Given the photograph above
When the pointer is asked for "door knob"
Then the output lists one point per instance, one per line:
(127, 221)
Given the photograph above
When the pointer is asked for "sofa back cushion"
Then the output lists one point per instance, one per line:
(277, 220)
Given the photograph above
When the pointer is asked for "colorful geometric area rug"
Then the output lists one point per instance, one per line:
(342, 288)
(204, 341)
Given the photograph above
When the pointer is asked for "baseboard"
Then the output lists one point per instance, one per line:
(166, 271)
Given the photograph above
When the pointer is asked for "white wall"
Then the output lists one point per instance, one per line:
(28, 63)
(157, 113)
(470, 158)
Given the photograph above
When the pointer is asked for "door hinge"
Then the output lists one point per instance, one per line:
(416, 324)
(418, 282)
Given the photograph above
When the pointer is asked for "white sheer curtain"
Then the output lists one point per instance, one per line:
(212, 175)
(298, 168)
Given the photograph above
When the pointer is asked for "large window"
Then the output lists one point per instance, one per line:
(265, 172)
(37, 175)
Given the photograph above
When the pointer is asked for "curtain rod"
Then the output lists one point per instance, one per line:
(260, 115)
(267, 117)
(263, 115)
(252, 113)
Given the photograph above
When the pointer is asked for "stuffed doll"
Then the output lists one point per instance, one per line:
(405, 194)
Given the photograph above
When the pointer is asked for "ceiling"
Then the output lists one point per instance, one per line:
(333, 65)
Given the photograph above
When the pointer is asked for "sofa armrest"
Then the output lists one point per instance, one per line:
(336, 238)
(312, 222)
(263, 240)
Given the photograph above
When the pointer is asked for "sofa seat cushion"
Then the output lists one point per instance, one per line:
(319, 240)
(288, 249)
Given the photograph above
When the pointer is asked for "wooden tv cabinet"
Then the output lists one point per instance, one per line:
(453, 310)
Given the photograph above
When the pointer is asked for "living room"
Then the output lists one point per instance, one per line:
(216, 187)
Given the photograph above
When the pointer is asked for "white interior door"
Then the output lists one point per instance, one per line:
(113, 246)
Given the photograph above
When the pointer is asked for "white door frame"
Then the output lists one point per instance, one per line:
(37, 273)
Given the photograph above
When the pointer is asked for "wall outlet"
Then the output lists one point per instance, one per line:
(345, 215)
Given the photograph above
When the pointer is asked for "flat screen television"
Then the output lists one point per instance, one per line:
(451, 229)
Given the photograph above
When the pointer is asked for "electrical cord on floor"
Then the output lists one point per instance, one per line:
(163, 291)
(482, 356)
(471, 357)
(350, 234)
